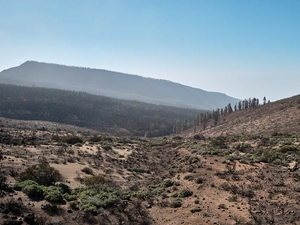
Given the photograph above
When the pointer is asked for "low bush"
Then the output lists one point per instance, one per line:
(53, 194)
(288, 148)
(74, 205)
(94, 180)
(69, 197)
(176, 203)
(142, 194)
(87, 170)
(13, 206)
(138, 170)
(90, 208)
(74, 140)
(185, 193)
(107, 147)
(31, 188)
(41, 173)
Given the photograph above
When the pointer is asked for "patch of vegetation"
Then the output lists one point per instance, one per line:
(107, 147)
(94, 180)
(74, 140)
(219, 142)
(176, 203)
(31, 188)
(13, 206)
(289, 149)
(185, 193)
(138, 170)
(87, 170)
(42, 174)
(53, 194)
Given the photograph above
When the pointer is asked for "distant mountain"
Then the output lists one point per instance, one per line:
(113, 84)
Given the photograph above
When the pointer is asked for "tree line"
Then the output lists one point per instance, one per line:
(204, 117)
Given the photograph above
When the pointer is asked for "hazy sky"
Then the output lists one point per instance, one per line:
(244, 48)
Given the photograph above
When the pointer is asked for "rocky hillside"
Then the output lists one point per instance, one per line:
(53, 174)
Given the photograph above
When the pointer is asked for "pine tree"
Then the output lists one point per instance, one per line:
(240, 105)
(264, 100)
(216, 116)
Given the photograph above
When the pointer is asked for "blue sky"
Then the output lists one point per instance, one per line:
(243, 48)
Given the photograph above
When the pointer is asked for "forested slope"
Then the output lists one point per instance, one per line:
(97, 112)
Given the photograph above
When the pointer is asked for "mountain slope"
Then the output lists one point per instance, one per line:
(113, 84)
(270, 119)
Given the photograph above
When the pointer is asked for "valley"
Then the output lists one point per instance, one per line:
(190, 178)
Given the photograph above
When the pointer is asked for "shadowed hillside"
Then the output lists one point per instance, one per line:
(113, 116)
(113, 84)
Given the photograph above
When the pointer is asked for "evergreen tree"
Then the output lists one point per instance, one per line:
(229, 108)
(204, 121)
(216, 116)
(264, 100)
(240, 105)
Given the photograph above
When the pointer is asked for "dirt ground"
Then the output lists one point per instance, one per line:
(219, 191)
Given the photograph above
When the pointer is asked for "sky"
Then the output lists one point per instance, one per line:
(243, 48)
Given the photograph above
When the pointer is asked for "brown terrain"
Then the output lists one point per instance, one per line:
(242, 171)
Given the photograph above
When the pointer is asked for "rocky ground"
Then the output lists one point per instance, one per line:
(232, 179)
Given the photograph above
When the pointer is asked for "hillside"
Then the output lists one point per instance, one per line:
(113, 116)
(55, 175)
(277, 117)
(113, 84)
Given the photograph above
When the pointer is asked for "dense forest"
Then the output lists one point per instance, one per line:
(91, 111)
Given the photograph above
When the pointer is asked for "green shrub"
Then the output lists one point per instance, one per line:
(74, 205)
(94, 180)
(185, 193)
(138, 170)
(219, 142)
(69, 197)
(89, 208)
(64, 188)
(53, 194)
(168, 183)
(176, 203)
(21, 184)
(31, 188)
(288, 148)
(86, 193)
(142, 194)
(54, 197)
(270, 156)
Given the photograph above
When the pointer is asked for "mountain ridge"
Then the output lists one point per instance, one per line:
(113, 84)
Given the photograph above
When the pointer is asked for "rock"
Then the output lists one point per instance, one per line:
(195, 210)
